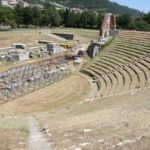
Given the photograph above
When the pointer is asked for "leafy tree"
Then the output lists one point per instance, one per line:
(19, 15)
(125, 21)
(141, 25)
(91, 19)
(83, 20)
(27, 16)
(7, 16)
(62, 14)
(77, 18)
(147, 18)
(50, 17)
(66, 17)
(36, 16)
(99, 20)
(71, 19)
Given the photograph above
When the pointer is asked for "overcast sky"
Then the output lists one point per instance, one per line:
(143, 5)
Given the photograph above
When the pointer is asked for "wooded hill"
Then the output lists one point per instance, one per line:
(97, 5)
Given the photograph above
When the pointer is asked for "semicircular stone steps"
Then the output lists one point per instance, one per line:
(137, 66)
(101, 82)
(135, 44)
(106, 78)
(133, 36)
(116, 74)
(133, 50)
(119, 66)
(106, 67)
(137, 47)
(124, 65)
(130, 54)
(114, 68)
(111, 76)
(134, 41)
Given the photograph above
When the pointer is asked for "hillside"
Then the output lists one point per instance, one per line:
(97, 5)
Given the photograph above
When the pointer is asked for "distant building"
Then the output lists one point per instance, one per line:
(41, 7)
(77, 10)
(4, 3)
(23, 4)
(12, 3)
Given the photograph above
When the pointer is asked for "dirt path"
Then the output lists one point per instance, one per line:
(36, 140)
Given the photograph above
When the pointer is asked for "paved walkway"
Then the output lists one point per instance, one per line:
(37, 141)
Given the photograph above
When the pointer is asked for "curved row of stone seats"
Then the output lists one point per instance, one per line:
(134, 46)
(104, 77)
(129, 72)
(127, 53)
(121, 74)
(133, 34)
(133, 50)
(136, 36)
(128, 58)
(113, 69)
(125, 57)
(118, 79)
(110, 78)
(116, 68)
(133, 42)
(126, 39)
(124, 65)
(101, 82)
(119, 66)
(112, 89)
(108, 71)
(133, 38)
(130, 54)
(133, 56)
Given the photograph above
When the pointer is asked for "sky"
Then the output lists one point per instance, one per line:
(142, 5)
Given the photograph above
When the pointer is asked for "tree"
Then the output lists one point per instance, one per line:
(77, 20)
(27, 16)
(83, 20)
(71, 19)
(147, 18)
(66, 17)
(19, 15)
(141, 25)
(36, 16)
(7, 16)
(99, 20)
(61, 14)
(125, 21)
(91, 19)
(50, 17)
